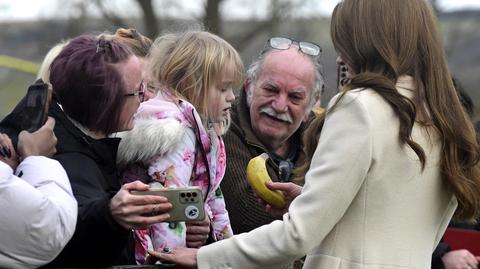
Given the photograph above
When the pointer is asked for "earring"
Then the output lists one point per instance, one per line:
(343, 74)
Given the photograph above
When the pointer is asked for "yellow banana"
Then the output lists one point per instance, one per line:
(257, 177)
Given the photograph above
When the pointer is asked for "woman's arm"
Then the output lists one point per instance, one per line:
(38, 213)
(339, 167)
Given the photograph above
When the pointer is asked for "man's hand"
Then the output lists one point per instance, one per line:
(138, 211)
(182, 257)
(198, 232)
(460, 259)
(39, 143)
(290, 191)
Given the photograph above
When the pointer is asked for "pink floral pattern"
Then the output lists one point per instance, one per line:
(181, 167)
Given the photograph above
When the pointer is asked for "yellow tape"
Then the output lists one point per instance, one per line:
(19, 64)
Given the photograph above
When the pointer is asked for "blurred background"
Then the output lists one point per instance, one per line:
(29, 28)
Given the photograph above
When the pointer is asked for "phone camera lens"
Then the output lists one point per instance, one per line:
(189, 194)
(182, 195)
(194, 194)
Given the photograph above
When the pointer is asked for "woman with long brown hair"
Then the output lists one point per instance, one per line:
(396, 156)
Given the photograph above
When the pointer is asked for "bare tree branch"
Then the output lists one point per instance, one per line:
(212, 19)
(279, 11)
(150, 20)
(111, 16)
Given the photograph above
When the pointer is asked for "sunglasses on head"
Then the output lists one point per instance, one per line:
(284, 43)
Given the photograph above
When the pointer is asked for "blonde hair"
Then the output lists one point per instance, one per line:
(138, 43)
(44, 71)
(188, 64)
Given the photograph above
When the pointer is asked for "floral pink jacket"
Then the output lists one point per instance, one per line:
(180, 166)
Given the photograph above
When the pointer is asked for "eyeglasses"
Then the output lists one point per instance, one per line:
(284, 43)
(140, 92)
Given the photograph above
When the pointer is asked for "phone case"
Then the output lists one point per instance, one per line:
(36, 109)
(31, 112)
(187, 202)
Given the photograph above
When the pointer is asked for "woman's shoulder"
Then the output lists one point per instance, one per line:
(362, 96)
(404, 86)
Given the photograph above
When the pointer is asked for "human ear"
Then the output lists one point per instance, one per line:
(246, 85)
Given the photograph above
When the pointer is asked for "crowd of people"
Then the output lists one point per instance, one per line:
(372, 181)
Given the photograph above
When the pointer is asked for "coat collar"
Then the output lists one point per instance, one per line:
(72, 139)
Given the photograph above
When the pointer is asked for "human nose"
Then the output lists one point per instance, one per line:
(280, 104)
(230, 96)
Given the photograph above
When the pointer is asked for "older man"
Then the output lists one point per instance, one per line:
(281, 87)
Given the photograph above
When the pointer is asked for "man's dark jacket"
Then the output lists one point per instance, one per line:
(98, 241)
(241, 145)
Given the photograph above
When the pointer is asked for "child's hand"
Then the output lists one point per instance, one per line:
(198, 232)
(7, 152)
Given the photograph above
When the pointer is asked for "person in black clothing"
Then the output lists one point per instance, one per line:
(98, 87)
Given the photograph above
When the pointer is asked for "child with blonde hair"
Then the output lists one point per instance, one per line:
(177, 140)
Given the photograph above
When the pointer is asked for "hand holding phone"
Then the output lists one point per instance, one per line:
(37, 102)
(30, 114)
(187, 202)
(39, 143)
(132, 211)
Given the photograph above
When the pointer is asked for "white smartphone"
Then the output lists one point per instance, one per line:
(187, 202)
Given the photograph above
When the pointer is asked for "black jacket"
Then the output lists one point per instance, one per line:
(98, 240)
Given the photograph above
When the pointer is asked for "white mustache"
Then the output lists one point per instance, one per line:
(284, 116)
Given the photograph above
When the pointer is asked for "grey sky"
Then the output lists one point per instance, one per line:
(36, 9)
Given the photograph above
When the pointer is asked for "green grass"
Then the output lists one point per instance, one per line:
(12, 89)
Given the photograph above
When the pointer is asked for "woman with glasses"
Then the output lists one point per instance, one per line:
(98, 87)
(140, 46)
(397, 155)
(197, 72)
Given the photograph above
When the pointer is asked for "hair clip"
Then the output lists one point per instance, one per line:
(99, 49)
(134, 33)
(101, 45)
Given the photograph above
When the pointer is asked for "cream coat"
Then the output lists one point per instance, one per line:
(366, 203)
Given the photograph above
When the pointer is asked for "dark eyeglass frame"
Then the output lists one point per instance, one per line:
(140, 92)
(284, 43)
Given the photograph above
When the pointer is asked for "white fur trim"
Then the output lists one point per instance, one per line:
(149, 137)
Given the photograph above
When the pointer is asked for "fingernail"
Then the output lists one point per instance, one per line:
(9, 154)
(2, 152)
